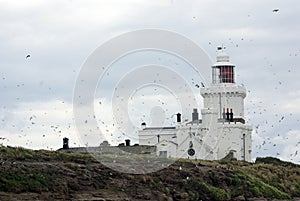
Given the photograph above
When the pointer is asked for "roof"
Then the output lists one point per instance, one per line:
(222, 60)
(198, 121)
(159, 128)
(166, 141)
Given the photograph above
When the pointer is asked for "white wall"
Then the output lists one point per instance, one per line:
(168, 146)
(149, 136)
(232, 139)
(232, 96)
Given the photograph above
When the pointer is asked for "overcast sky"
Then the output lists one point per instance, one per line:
(36, 92)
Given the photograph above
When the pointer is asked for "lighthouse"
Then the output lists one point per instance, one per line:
(223, 110)
(224, 94)
(220, 131)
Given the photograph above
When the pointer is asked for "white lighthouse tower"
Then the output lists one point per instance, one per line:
(224, 110)
(222, 129)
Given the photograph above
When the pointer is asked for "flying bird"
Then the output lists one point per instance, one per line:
(28, 55)
(275, 10)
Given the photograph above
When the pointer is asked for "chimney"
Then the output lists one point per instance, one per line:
(143, 125)
(224, 114)
(195, 115)
(178, 117)
(227, 114)
(231, 115)
(127, 142)
(65, 143)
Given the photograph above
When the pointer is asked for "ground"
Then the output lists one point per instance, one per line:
(56, 175)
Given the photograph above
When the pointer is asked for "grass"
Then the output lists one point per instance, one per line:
(22, 154)
(205, 190)
(41, 170)
(22, 182)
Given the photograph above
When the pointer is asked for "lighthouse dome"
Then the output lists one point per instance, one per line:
(222, 60)
(222, 57)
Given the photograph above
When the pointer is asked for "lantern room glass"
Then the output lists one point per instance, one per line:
(223, 74)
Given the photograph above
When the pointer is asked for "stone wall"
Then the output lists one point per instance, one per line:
(143, 149)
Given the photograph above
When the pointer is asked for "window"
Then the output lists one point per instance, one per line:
(226, 74)
(163, 153)
(223, 74)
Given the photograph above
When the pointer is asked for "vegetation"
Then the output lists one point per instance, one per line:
(22, 154)
(69, 174)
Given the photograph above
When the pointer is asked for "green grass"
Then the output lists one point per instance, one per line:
(41, 170)
(22, 154)
(20, 182)
(203, 188)
(274, 161)
(258, 188)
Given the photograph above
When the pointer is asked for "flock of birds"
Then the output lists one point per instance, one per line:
(256, 110)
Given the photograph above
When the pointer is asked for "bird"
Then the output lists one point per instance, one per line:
(28, 55)
(275, 10)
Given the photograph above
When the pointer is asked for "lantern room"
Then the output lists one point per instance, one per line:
(223, 70)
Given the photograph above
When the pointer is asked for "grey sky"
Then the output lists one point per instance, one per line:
(60, 35)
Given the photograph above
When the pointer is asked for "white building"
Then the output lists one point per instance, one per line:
(221, 130)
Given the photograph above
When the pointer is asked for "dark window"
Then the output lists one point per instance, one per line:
(163, 153)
